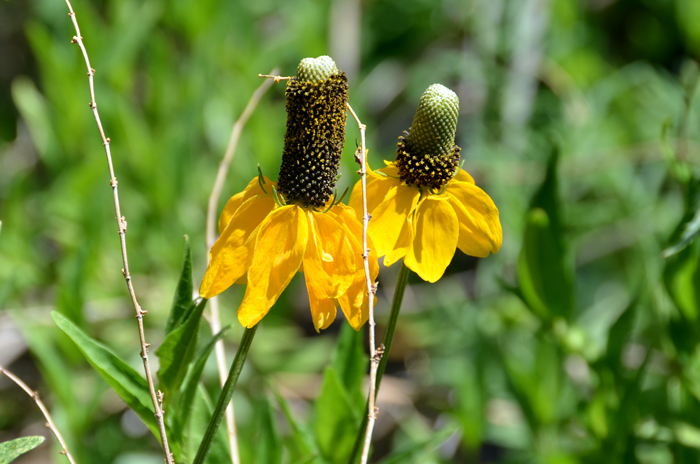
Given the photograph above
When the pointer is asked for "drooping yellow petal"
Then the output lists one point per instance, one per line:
(435, 241)
(323, 309)
(232, 253)
(328, 263)
(464, 176)
(479, 226)
(354, 301)
(235, 202)
(376, 191)
(279, 251)
(390, 226)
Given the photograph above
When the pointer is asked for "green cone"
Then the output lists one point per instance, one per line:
(435, 122)
(316, 69)
(426, 154)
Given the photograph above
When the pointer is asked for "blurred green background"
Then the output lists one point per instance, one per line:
(577, 343)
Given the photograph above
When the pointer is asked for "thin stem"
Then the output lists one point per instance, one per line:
(49, 421)
(372, 410)
(275, 78)
(215, 319)
(226, 394)
(388, 338)
(121, 223)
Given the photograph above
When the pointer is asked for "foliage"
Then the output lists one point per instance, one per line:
(577, 343)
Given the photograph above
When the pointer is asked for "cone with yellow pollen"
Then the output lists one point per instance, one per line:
(272, 230)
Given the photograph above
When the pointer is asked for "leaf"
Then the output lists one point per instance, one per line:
(177, 351)
(691, 229)
(412, 453)
(268, 443)
(185, 399)
(303, 447)
(682, 281)
(335, 421)
(350, 363)
(545, 282)
(9, 450)
(126, 382)
(202, 410)
(183, 293)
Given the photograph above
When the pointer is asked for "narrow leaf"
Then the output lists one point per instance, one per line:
(544, 280)
(413, 452)
(350, 363)
(126, 382)
(268, 443)
(183, 292)
(10, 450)
(336, 423)
(185, 399)
(177, 351)
(303, 447)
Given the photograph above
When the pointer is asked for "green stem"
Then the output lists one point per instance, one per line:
(388, 337)
(226, 394)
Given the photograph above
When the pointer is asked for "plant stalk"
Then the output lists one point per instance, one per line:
(388, 338)
(226, 394)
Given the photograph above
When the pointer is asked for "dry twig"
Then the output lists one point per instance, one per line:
(49, 421)
(121, 223)
(214, 319)
(361, 157)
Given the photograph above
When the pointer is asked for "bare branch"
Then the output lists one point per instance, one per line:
(49, 421)
(121, 223)
(275, 78)
(361, 157)
(214, 319)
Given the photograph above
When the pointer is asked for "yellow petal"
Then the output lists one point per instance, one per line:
(390, 225)
(232, 253)
(479, 227)
(322, 309)
(435, 242)
(279, 251)
(354, 301)
(329, 263)
(376, 191)
(463, 176)
(235, 202)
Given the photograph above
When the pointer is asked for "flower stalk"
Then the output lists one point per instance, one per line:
(226, 394)
(399, 291)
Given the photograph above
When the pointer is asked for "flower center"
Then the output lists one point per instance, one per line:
(426, 154)
(314, 138)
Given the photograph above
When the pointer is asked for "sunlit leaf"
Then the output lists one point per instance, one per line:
(10, 450)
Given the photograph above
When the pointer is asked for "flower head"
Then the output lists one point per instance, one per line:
(270, 231)
(423, 205)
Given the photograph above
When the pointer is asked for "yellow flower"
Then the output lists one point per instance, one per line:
(265, 244)
(271, 230)
(424, 206)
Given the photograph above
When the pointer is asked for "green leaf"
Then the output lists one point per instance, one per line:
(177, 351)
(691, 230)
(183, 293)
(268, 443)
(414, 452)
(545, 282)
(303, 447)
(335, 421)
(682, 281)
(9, 450)
(350, 363)
(202, 409)
(126, 382)
(183, 404)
